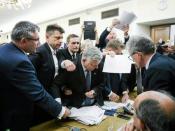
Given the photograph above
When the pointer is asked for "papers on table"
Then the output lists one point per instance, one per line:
(89, 115)
(117, 64)
(125, 19)
(109, 105)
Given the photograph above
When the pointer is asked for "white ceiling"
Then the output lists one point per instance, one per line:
(42, 10)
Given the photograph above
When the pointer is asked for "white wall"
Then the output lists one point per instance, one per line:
(5, 38)
(146, 11)
(150, 10)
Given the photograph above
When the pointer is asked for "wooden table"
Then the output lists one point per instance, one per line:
(63, 125)
(54, 125)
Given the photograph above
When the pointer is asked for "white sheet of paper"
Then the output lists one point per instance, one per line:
(117, 64)
(125, 18)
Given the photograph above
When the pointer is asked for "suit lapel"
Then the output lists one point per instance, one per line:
(81, 72)
(154, 58)
(50, 60)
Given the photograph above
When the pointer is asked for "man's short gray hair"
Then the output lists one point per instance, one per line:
(86, 44)
(23, 29)
(140, 44)
(92, 53)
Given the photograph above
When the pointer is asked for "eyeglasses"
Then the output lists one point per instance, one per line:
(75, 43)
(34, 39)
(130, 58)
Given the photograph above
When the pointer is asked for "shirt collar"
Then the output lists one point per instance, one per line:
(148, 62)
(53, 52)
(71, 53)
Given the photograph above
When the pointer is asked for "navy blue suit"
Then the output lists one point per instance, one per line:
(115, 82)
(19, 89)
(160, 74)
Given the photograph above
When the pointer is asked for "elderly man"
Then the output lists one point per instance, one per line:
(155, 111)
(20, 87)
(86, 82)
(109, 34)
(160, 70)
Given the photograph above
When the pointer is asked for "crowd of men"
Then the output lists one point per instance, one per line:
(39, 83)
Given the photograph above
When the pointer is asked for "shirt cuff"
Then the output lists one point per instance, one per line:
(110, 94)
(58, 100)
(125, 92)
(62, 65)
(62, 112)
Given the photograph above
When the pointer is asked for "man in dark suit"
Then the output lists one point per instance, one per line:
(85, 82)
(20, 87)
(45, 60)
(116, 83)
(46, 66)
(160, 70)
(70, 53)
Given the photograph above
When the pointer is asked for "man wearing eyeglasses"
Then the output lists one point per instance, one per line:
(160, 69)
(20, 88)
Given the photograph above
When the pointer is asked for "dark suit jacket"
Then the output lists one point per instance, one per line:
(63, 54)
(115, 83)
(45, 68)
(76, 82)
(160, 74)
(19, 88)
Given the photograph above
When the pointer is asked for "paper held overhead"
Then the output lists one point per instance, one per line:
(125, 18)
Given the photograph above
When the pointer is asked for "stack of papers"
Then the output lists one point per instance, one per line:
(109, 105)
(89, 115)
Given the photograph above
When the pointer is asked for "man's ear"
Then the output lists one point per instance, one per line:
(139, 124)
(23, 42)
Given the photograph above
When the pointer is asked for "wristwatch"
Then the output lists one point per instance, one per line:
(108, 29)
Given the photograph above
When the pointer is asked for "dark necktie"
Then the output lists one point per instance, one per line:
(88, 80)
(139, 81)
(73, 56)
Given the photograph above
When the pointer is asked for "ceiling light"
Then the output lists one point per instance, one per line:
(15, 4)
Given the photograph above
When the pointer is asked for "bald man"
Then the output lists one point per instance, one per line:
(155, 111)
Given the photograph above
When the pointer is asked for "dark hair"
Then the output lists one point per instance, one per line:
(154, 116)
(71, 36)
(23, 29)
(54, 27)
